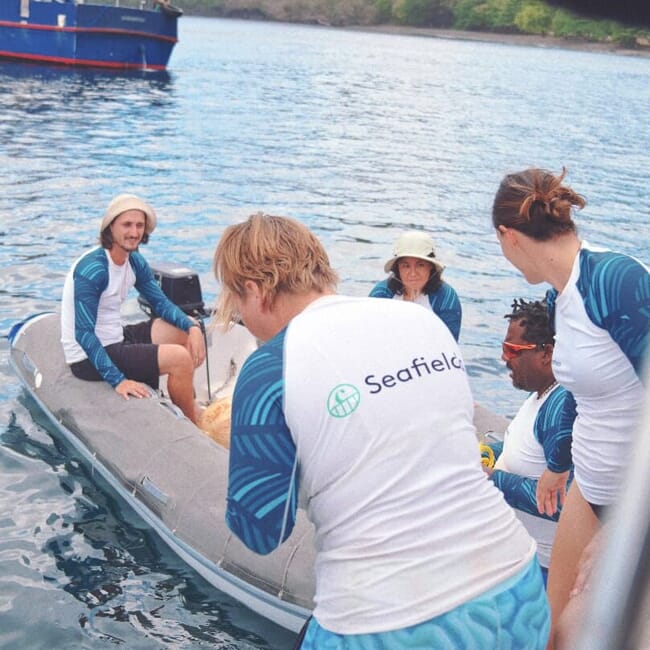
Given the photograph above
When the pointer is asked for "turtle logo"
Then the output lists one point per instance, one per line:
(343, 400)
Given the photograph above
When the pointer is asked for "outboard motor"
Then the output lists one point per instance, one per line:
(181, 285)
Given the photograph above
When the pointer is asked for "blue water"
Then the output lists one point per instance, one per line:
(359, 135)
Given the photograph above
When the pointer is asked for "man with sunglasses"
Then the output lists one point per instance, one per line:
(536, 449)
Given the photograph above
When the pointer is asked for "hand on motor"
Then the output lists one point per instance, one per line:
(551, 491)
(134, 388)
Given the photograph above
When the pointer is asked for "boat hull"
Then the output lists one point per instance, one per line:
(87, 35)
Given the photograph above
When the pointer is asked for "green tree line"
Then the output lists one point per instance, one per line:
(500, 16)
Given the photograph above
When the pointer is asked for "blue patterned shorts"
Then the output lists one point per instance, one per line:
(512, 616)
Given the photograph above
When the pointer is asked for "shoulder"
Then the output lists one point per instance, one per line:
(274, 348)
(91, 264)
(260, 385)
(559, 408)
(557, 400)
(381, 290)
(607, 272)
(445, 289)
(445, 296)
(266, 360)
(138, 262)
(611, 284)
(598, 263)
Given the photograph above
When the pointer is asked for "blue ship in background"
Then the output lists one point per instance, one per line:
(71, 32)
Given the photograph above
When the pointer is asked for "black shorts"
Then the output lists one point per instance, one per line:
(136, 356)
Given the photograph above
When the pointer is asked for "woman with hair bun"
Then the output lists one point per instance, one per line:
(600, 305)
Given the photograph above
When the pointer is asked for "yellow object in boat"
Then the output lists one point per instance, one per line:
(487, 455)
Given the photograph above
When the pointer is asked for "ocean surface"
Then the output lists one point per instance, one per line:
(360, 136)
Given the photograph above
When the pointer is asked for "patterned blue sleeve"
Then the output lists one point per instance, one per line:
(519, 492)
(496, 447)
(616, 292)
(446, 304)
(147, 286)
(554, 429)
(381, 290)
(262, 476)
(551, 297)
(90, 278)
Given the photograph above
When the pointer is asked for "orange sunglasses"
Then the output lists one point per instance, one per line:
(513, 350)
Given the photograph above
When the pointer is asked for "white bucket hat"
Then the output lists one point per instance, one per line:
(124, 202)
(414, 244)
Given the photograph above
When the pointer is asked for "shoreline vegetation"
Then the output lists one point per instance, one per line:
(526, 40)
(533, 23)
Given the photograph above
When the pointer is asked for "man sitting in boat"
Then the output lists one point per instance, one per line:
(536, 447)
(96, 344)
(414, 547)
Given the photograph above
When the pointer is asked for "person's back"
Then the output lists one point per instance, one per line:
(360, 409)
(390, 467)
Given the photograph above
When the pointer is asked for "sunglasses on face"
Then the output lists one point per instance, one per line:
(513, 350)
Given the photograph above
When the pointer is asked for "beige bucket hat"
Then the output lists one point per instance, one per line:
(414, 244)
(123, 202)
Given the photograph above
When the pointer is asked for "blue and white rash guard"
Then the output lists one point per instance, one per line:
(93, 293)
(539, 437)
(444, 302)
(602, 320)
(376, 439)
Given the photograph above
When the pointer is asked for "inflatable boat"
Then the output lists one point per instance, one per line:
(169, 471)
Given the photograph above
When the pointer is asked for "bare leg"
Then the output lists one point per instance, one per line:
(577, 525)
(570, 621)
(163, 332)
(174, 360)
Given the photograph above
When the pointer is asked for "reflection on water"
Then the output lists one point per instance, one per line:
(359, 135)
(44, 105)
(93, 548)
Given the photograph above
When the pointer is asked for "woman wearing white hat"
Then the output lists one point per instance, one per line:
(416, 275)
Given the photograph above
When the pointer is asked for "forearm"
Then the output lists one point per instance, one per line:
(261, 502)
(520, 492)
(86, 307)
(99, 358)
(262, 475)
